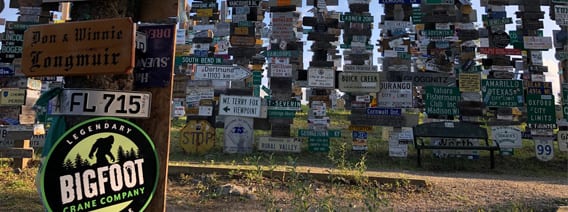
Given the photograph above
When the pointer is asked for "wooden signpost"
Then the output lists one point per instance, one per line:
(52, 50)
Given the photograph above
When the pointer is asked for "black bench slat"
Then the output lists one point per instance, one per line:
(452, 130)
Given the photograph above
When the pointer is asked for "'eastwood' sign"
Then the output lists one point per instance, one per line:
(79, 48)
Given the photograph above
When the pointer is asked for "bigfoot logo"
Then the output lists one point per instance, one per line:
(103, 163)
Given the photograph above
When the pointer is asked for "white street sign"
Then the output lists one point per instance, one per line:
(536, 57)
(563, 141)
(395, 95)
(321, 77)
(239, 135)
(274, 144)
(535, 42)
(359, 68)
(221, 72)
(365, 98)
(362, 82)
(507, 136)
(247, 106)
(390, 25)
(195, 94)
(406, 134)
(280, 70)
(543, 148)
(396, 149)
(104, 103)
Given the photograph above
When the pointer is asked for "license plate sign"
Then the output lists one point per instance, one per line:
(104, 103)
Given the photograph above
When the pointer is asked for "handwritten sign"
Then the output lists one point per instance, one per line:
(470, 82)
(79, 48)
(321, 77)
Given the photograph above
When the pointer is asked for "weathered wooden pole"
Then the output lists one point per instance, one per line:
(158, 126)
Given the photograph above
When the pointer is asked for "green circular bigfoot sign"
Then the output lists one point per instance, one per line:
(106, 164)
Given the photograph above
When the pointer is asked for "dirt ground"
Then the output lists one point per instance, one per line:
(444, 192)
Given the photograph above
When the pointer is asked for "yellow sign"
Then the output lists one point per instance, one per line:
(103, 46)
(197, 137)
(360, 128)
(257, 67)
(470, 82)
(208, 12)
(12, 96)
(241, 31)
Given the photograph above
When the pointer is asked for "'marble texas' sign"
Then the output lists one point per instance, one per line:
(79, 48)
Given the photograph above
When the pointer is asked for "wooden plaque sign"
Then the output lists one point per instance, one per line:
(79, 48)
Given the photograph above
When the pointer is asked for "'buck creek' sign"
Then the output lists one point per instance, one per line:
(79, 48)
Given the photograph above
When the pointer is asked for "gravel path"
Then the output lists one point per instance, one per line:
(446, 192)
(473, 191)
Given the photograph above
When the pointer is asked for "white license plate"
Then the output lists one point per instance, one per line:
(104, 103)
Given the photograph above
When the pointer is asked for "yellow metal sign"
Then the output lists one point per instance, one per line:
(208, 12)
(360, 128)
(197, 137)
(12, 96)
(470, 82)
(103, 46)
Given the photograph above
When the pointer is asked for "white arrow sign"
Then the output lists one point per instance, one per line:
(221, 72)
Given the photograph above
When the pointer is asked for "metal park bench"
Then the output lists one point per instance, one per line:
(451, 130)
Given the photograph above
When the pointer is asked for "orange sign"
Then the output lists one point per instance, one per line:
(103, 46)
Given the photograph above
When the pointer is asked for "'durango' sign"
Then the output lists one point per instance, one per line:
(79, 48)
(103, 163)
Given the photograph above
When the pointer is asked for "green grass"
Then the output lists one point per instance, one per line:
(522, 163)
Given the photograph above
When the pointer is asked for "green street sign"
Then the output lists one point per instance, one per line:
(198, 60)
(541, 111)
(439, 33)
(314, 133)
(442, 100)
(438, 2)
(281, 113)
(318, 144)
(502, 93)
(517, 41)
(266, 90)
(348, 46)
(256, 91)
(284, 104)
(356, 18)
(256, 80)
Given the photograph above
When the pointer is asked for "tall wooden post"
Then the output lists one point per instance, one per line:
(158, 126)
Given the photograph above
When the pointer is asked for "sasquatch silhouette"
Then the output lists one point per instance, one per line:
(102, 148)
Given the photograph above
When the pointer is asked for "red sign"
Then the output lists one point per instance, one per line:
(498, 51)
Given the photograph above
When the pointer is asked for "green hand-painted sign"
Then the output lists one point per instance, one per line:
(541, 110)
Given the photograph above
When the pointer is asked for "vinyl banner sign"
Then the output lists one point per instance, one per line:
(104, 164)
